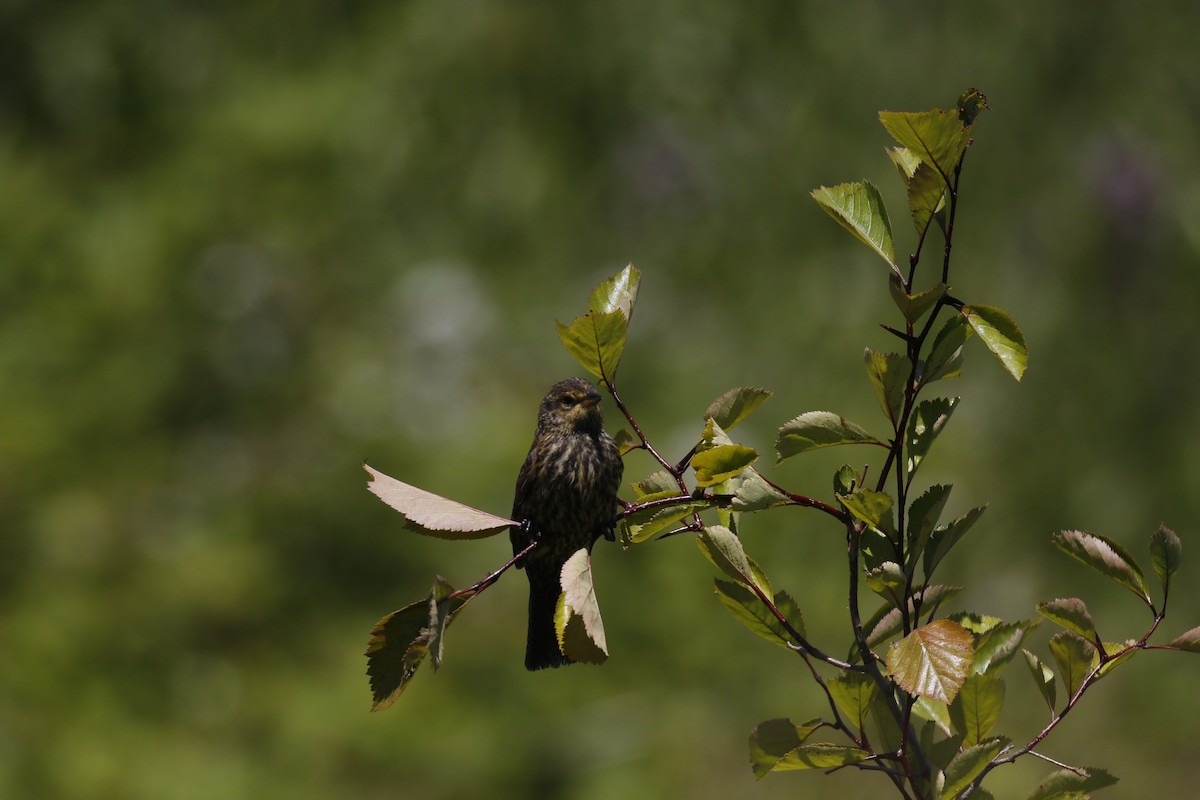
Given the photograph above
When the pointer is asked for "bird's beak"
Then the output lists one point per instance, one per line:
(590, 400)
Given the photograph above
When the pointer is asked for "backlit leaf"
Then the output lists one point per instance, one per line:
(966, 766)
(721, 463)
(618, 293)
(596, 340)
(873, 508)
(914, 306)
(1065, 784)
(1189, 641)
(923, 516)
(735, 405)
(926, 196)
(945, 355)
(723, 548)
(820, 756)
(936, 137)
(858, 207)
(976, 709)
(772, 740)
(1106, 557)
(1043, 676)
(577, 616)
(814, 429)
(1071, 613)
(924, 425)
(748, 609)
(933, 660)
(889, 373)
(1165, 554)
(1000, 644)
(434, 515)
(944, 537)
(887, 621)
(853, 693)
(1001, 335)
(1075, 657)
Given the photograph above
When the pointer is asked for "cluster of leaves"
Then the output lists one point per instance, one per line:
(918, 695)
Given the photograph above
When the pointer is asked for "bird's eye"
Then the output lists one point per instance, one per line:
(567, 400)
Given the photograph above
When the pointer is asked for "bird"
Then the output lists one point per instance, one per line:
(565, 498)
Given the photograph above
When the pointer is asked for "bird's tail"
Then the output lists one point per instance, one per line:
(541, 644)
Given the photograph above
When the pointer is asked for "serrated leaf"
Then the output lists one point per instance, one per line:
(445, 609)
(1165, 554)
(923, 516)
(970, 104)
(933, 660)
(939, 715)
(721, 463)
(975, 622)
(1075, 657)
(814, 429)
(1106, 557)
(858, 207)
(1000, 644)
(905, 161)
(887, 581)
(853, 693)
(926, 196)
(873, 508)
(1043, 677)
(721, 547)
(976, 709)
(924, 425)
(887, 621)
(596, 340)
(617, 293)
(936, 137)
(655, 484)
(434, 515)
(914, 306)
(1001, 335)
(638, 528)
(820, 756)
(966, 766)
(1188, 641)
(945, 355)
(772, 740)
(944, 537)
(1071, 613)
(889, 374)
(577, 616)
(1065, 784)
(748, 609)
(735, 405)
(751, 492)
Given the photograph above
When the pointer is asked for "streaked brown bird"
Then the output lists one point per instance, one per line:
(567, 497)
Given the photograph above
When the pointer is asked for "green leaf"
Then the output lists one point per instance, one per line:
(596, 340)
(821, 756)
(858, 207)
(846, 480)
(752, 612)
(924, 425)
(944, 537)
(721, 463)
(1065, 784)
(434, 515)
(933, 660)
(577, 616)
(905, 161)
(968, 764)
(945, 355)
(444, 610)
(853, 693)
(873, 508)
(887, 581)
(1072, 614)
(618, 293)
(1075, 657)
(638, 527)
(923, 516)
(770, 741)
(751, 492)
(887, 621)
(970, 104)
(1165, 553)
(735, 405)
(1001, 335)
(936, 137)
(889, 373)
(1106, 557)
(814, 429)
(1043, 676)
(625, 442)
(914, 306)
(976, 709)
(1188, 641)
(926, 196)
(721, 547)
(1000, 644)
(936, 713)
(976, 623)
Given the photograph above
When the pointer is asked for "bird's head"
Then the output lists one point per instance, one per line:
(571, 405)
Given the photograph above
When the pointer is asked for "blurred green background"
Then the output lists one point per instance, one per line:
(248, 245)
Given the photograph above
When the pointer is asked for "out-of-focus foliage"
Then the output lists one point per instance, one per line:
(248, 245)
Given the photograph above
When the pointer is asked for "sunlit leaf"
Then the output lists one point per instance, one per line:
(820, 756)
(1106, 557)
(887, 621)
(924, 425)
(1001, 335)
(1075, 657)
(814, 429)
(853, 693)
(721, 463)
(1071, 613)
(1000, 644)
(1065, 784)
(944, 537)
(966, 766)
(617, 293)
(889, 373)
(772, 740)
(914, 306)
(936, 137)
(873, 508)
(905, 161)
(748, 609)
(937, 713)
(926, 196)
(923, 516)
(639, 527)
(445, 609)
(596, 340)
(933, 660)
(1043, 676)
(577, 616)
(1165, 554)
(976, 709)
(945, 355)
(626, 443)
(751, 492)
(1189, 641)
(655, 484)
(721, 547)
(434, 515)
(735, 405)
(859, 208)
(975, 622)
